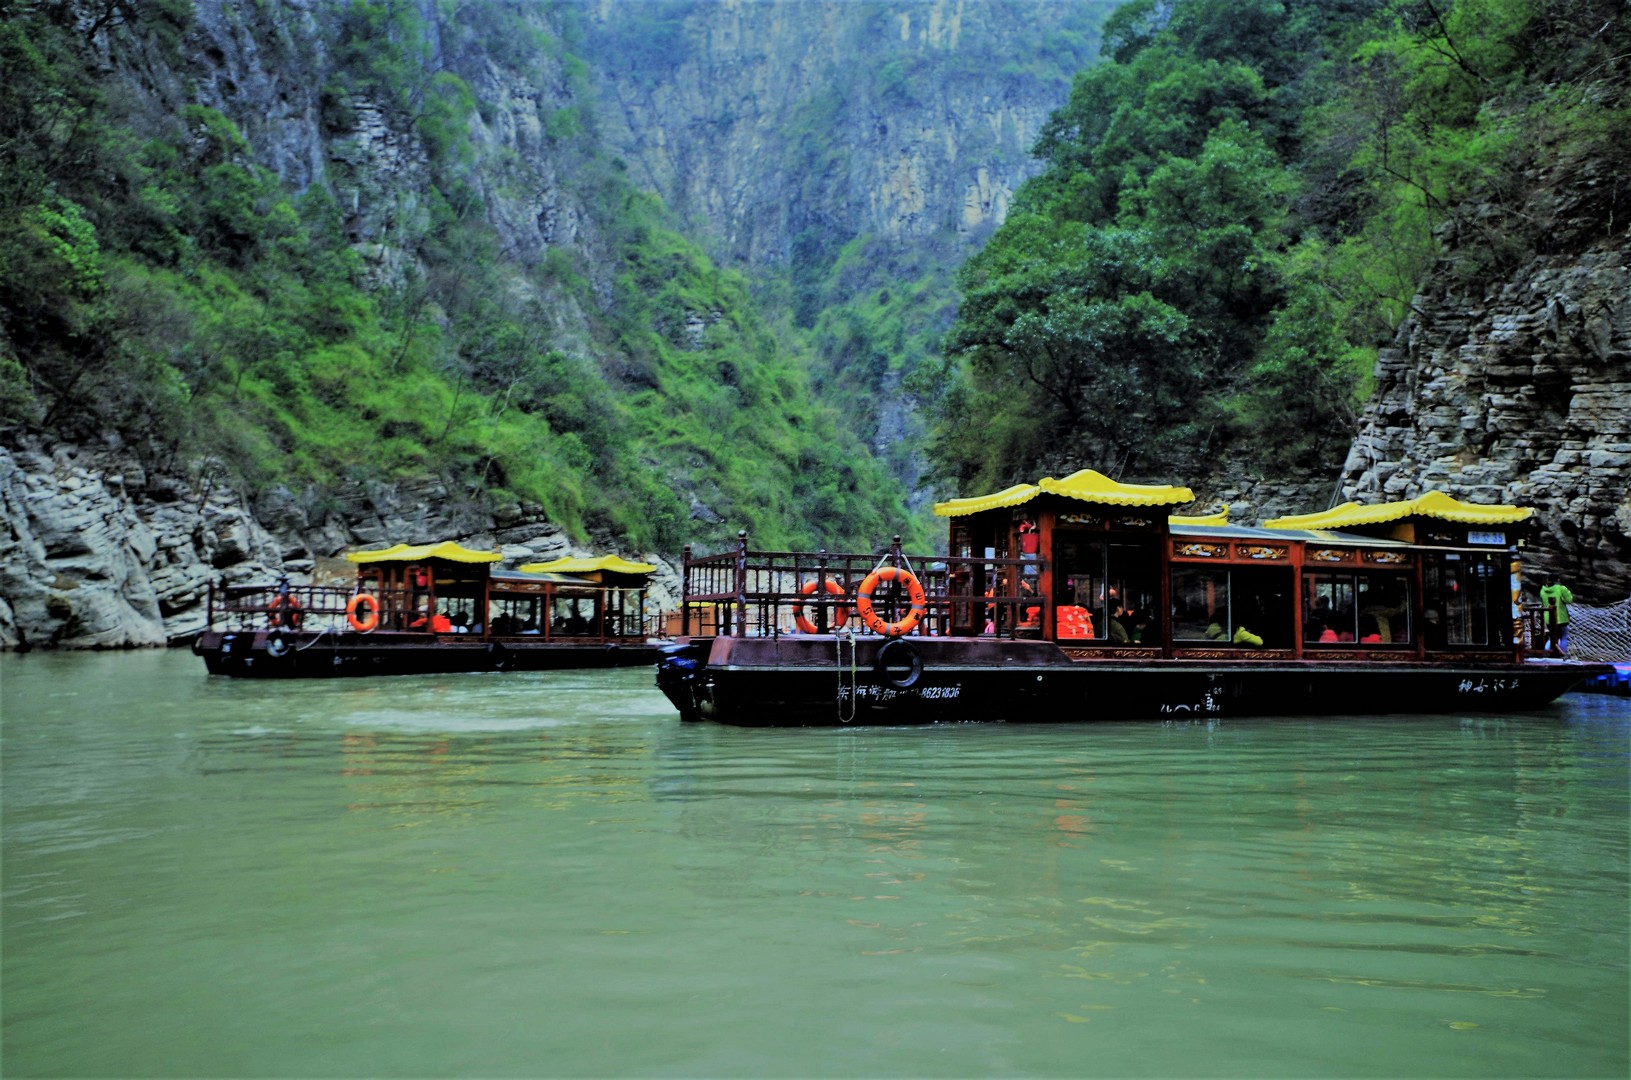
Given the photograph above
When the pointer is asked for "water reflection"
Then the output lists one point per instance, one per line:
(477, 874)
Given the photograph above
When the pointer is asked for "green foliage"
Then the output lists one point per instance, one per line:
(196, 307)
(1113, 317)
(1228, 222)
(1289, 172)
(1070, 332)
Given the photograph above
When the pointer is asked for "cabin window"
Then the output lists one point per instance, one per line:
(515, 615)
(1356, 608)
(574, 616)
(1468, 599)
(1105, 589)
(1245, 605)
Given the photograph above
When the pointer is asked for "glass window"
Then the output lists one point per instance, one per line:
(1245, 605)
(1370, 608)
(1328, 608)
(1468, 599)
(1383, 608)
(1200, 603)
(1106, 589)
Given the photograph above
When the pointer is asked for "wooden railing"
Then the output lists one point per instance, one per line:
(761, 593)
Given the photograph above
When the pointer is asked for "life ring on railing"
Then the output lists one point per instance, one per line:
(840, 615)
(284, 610)
(362, 612)
(914, 592)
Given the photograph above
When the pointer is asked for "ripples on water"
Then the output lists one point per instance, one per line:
(550, 875)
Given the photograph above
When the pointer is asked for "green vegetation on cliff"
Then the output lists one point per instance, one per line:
(1238, 205)
(158, 285)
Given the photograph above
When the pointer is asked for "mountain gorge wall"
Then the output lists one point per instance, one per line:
(1521, 394)
(777, 130)
(760, 121)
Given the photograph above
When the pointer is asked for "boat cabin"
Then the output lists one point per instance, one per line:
(448, 590)
(1106, 571)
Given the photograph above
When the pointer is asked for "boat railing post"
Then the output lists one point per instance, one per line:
(685, 591)
(821, 620)
(741, 627)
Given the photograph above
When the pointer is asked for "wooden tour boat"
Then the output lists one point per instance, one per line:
(434, 608)
(1082, 599)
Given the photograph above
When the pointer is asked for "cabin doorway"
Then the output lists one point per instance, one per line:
(1106, 588)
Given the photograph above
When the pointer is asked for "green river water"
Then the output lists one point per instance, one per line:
(550, 875)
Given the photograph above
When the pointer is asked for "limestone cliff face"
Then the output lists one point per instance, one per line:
(764, 119)
(267, 67)
(98, 549)
(99, 553)
(1519, 394)
(765, 123)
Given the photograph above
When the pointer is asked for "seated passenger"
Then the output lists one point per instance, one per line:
(1118, 632)
(1244, 636)
(1319, 621)
(441, 624)
(1214, 628)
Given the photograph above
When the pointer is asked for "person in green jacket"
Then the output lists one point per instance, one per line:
(1555, 599)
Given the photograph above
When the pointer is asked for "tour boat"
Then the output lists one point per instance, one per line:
(1084, 599)
(421, 609)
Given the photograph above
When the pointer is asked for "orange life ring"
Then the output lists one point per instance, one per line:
(840, 615)
(276, 615)
(914, 591)
(362, 621)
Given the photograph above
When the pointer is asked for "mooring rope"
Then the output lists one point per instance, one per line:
(838, 664)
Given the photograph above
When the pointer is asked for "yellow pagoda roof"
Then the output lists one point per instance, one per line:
(1434, 504)
(447, 550)
(1086, 485)
(1090, 486)
(572, 565)
(1219, 518)
(973, 504)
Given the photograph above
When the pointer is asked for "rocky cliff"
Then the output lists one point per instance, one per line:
(1515, 387)
(777, 129)
(1518, 394)
(764, 121)
(99, 551)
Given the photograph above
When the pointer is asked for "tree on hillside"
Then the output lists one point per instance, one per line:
(1186, 146)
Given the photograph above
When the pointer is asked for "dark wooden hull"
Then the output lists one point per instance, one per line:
(306, 655)
(813, 681)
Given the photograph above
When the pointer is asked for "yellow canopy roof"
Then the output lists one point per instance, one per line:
(1219, 518)
(1434, 504)
(570, 565)
(973, 504)
(1086, 485)
(1090, 486)
(447, 549)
